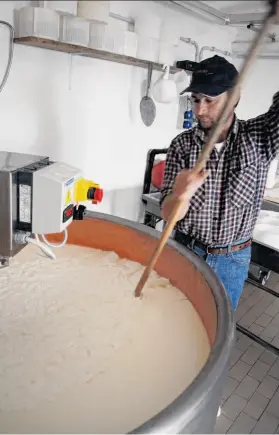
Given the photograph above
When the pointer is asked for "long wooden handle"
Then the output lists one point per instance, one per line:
(206, 151)
(163, 240)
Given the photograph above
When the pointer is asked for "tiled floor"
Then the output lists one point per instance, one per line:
(250, 402)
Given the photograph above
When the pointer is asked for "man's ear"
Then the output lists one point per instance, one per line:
(237, 96)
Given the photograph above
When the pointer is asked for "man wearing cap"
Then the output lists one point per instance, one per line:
(221, 204)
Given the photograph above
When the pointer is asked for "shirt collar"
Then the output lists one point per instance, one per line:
(200, 136)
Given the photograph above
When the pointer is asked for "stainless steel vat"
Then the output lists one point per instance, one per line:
(195, 410)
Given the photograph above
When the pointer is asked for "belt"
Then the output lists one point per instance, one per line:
(185, 239)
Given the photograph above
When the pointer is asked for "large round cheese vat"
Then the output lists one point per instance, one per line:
(195, 410)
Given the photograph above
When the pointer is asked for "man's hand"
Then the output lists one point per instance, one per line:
(187, 183)
(185, 186)
(274, 4)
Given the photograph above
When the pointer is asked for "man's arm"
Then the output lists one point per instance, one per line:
(264, 131)
(174, 164)
(179, 184)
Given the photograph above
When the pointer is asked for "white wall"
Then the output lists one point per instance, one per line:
(94, 123)
(258, 90)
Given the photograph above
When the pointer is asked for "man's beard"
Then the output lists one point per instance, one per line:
(206, 130)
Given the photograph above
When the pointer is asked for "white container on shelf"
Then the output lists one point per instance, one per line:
(64, 7)
(148, 49)
(97, 35)
(130, 44)
(170, 32)
(94, 10)
(121, 41)
(114, 40)
(166, 53)
(39, 22)
(74, 30)
(148, 25)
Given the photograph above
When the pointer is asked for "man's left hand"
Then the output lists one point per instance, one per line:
(275, 9)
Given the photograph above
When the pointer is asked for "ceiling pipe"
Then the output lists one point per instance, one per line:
(215, 50)
(236, 55)
(183, 6)
(271, 36)
(261, 56)
(209, 10)
(195, 44)
(203, 10)
(249, 41)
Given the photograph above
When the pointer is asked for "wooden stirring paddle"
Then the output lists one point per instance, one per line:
(208, 147)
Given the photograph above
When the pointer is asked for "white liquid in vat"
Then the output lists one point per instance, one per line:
(80, 354)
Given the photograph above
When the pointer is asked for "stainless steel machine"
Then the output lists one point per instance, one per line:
(39, 197)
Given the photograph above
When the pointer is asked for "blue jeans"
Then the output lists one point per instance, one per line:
(232, 269)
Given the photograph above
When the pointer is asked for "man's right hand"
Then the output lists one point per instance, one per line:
(187, 182)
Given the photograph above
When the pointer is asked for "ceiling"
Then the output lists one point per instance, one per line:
(237, 14)
(238, 7)
(244, 35)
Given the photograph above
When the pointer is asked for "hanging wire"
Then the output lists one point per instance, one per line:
(11, 51)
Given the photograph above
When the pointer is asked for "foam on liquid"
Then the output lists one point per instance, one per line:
(80, 354)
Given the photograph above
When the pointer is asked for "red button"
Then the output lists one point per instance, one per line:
(98, 195)
(69, 212)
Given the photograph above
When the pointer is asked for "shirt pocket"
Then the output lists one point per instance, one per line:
(242, 186)
(198, 200)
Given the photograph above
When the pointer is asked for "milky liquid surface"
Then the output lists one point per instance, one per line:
(80, 354)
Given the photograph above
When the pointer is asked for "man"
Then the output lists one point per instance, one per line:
(222, 203)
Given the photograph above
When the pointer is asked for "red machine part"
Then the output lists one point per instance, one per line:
(157, 175)
(95, 194)
(98, 195)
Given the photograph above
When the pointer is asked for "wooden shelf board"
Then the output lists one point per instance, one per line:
(63, 47)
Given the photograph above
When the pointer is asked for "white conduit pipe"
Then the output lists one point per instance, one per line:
(214, 49)
(261, 56)
(194, 43)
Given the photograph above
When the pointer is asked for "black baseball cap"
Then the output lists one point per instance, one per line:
(212, 77)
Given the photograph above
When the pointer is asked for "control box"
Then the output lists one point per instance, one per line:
(39, 196)
(53, 198)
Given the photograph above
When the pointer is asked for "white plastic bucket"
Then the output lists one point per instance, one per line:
(94, 10)
(74, 30)
(64, 7)
(148, 25)
(148, 49)
(97, 35)
(39, 22)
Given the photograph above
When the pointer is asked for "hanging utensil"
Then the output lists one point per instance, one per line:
(147, 105)
(208, 147)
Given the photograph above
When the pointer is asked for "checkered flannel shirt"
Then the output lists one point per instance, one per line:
(225, 208)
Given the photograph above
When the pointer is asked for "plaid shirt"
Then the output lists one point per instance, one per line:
(225, 208)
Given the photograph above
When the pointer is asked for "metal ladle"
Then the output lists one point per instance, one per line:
(147, 105)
